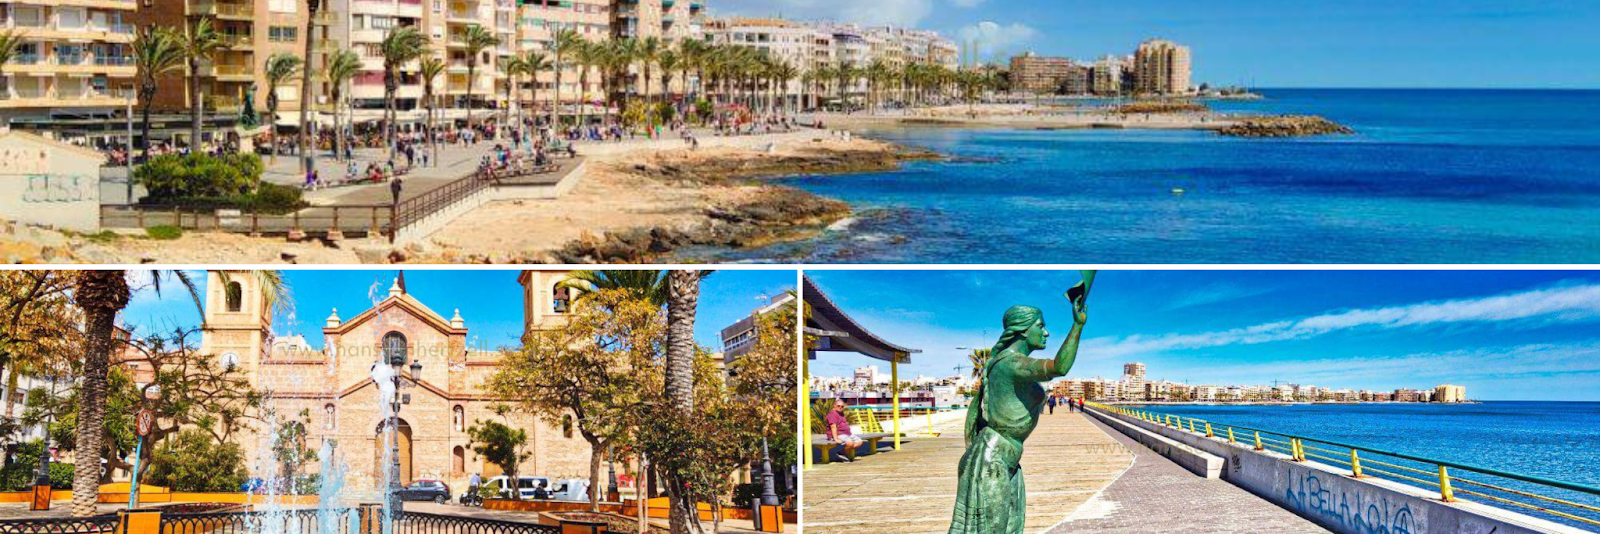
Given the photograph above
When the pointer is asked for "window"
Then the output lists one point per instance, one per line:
(562, 300)
(394, 348)
(235, 296)
(283, 34)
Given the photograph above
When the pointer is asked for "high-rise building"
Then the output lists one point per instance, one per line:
(1107, 75)
(1449, 393)
(1162, 68)
(74, 61)
(1038, 74)
(1133, 381)
(741, 336)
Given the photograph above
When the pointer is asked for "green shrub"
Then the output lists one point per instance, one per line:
(164, 232)
(665, 113)
(198, 176)
(274, 198)
(193, 461)
(19, 474)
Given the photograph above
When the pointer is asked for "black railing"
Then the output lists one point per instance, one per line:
(420, 523)
(300, 521)
(421, 206)
(64, 525)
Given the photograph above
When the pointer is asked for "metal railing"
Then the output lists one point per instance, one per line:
(1426, 473)
(420, 523)
(414, 209)
(304, 521)
(358, 219)
(63, 525)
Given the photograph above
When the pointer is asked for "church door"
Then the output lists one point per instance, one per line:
(406, 473)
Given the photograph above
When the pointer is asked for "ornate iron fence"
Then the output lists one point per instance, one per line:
(65, 525)
(420, 523)
(302, 521)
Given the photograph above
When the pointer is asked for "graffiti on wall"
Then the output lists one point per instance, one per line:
(1307, 495)
(15, 160)
(46, 188)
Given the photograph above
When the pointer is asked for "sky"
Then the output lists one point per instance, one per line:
(1268, 43)
(1505, 335)
(490, 301)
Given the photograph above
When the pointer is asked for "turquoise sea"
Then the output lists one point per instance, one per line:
(1553, 440)
(1432, 176)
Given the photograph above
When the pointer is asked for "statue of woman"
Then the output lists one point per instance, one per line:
(990, 498)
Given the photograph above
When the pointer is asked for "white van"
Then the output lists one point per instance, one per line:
(525, 486)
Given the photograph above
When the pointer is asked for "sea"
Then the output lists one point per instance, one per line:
(1431, 176)
(1552, 440)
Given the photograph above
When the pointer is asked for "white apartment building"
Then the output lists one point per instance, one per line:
(75, 59)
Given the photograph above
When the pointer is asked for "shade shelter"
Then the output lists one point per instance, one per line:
(830, 329)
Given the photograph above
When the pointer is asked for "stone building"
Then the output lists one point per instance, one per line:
(334, 389)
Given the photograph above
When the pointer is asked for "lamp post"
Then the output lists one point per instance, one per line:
(611, 472)
(769, 494)
(397, 362)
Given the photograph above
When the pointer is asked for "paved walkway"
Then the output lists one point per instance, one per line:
(1066, 461)
(1157, 495)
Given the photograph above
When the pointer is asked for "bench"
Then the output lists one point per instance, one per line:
(824, 446)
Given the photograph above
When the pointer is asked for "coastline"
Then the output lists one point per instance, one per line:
(1278, 403)
(1030, 116)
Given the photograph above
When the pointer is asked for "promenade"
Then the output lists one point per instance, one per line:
(1157, 495)
(1066, 461)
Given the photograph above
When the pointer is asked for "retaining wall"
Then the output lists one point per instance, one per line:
(437, 220)
(1330, 497)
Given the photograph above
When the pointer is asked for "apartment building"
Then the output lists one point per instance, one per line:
(1449, 393)
(1162, 68)
(1108, 75)
(538, 23)
(1032, 73)
(75, 61)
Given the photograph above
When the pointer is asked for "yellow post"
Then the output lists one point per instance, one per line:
(1230, 435)
(1444, 486)
(1355, 464)
(805, 405)
(1258, 440)
(894, 379)
(1208, 431)
(1299, 450)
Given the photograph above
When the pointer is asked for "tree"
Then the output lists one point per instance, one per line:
(683, 295)
(200, 44)
(193, 461)
(308, 150)
(430, 69)
(280, 68)
(477, 39)
(38, 326)
(290, 452)
(512, 69)
(594, 371)
(566, 42)
(534, 63)
(501, 445)
(156, 52)
(648, 54)
(402, 45)
(101, 294)
(342, 67)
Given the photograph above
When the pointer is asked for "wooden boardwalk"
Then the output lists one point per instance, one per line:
(1066, 461)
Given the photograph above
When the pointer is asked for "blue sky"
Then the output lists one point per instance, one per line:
(1274, 43)
(1505, 335)
(490, 301)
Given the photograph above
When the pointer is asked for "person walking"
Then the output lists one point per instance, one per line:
(1052, 404)
(394, 188)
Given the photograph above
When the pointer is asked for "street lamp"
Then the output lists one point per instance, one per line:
(397, 362)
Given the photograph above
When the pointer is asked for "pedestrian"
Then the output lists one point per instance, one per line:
(394, 187)
(1052, 404)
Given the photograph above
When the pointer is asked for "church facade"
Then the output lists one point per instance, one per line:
(331, 390)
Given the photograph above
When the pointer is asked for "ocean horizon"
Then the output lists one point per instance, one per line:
(1463, 176)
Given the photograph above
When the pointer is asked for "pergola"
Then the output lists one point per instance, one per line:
(830, 329)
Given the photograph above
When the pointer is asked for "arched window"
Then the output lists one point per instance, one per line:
(562, 299)
(460, 418)
(394, 348)
(331, 413)
(235, 296)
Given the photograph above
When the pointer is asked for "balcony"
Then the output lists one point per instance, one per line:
(225, 11)
(113, 61)
(240, 42)
(223, 102)
(323, 17)
(27, 59)
(229, 73)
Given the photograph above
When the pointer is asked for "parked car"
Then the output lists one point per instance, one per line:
(570, 489)
(426, 490)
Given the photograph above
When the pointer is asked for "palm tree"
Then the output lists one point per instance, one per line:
(649, 286)
(694, 53)
(647, 52)
(156, 52)
(567, 42)
(877, 72)
(586, 56)
(342, 67)
(512, 69)
(670, 61)
(782, 73)
(102, 294)
(308, 151)
(534, 63)
(430, 69)
(477, 39)
(202, 41)
(402, 45)
(281, 68)
(683, 295)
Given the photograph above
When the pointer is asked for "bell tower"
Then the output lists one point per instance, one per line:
(238, 322)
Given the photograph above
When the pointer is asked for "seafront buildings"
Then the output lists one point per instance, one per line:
(1133, 386)
(74, 63)
(1157, 68)
(811, 47)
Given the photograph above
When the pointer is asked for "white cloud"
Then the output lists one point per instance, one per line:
(1563, 303)
(994, 38)
(967, 3)
(892, 12)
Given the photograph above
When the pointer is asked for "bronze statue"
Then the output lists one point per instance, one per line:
(990, 497)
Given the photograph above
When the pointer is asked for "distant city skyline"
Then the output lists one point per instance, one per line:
(1515, 335)
(1268, 43)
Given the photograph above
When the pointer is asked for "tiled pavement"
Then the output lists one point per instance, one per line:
(1156, 495)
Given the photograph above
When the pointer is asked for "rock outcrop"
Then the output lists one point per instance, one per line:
(1285, 126)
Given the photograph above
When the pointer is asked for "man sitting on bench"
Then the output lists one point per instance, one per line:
(839, 431)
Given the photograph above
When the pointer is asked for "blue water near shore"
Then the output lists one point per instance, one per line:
(1553, 440)
(1433, 176)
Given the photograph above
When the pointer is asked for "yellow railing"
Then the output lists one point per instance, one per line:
(1436, 474)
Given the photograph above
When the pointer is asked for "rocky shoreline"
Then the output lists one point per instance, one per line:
(1285, 126)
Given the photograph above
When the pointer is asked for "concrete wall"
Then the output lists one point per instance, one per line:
(438, 220)
(49, 183)
(1327, 495)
